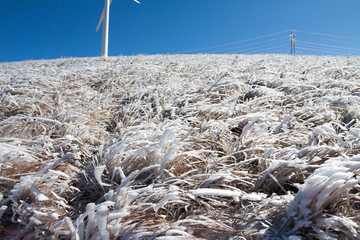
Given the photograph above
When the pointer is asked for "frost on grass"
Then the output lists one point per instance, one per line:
(181, 147)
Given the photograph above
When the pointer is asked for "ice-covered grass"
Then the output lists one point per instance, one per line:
(181, 147)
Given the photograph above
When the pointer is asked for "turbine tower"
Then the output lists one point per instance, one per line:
(105, 34)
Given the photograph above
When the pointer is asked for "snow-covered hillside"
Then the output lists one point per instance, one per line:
(181, 147)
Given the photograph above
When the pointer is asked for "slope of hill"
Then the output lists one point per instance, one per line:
(181, 147)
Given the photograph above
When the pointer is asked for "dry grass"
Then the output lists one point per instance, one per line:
(181, 147)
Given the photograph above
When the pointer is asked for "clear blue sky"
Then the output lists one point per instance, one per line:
(47, 29)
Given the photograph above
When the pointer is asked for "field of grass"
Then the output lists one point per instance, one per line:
(181, 147)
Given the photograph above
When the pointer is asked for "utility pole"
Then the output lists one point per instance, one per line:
(292, 44)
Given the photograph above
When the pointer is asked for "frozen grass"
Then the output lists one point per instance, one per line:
(181, 147)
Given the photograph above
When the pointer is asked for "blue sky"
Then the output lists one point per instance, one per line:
(47, 29)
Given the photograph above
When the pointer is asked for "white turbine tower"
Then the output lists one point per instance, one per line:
(105, 34)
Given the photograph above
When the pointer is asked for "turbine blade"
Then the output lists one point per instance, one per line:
(137, 1)
(101, 19)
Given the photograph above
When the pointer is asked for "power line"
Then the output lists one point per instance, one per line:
(271, 40)
(328, 35)
(337, 40)
(314, 50)
(326, 45)
(327, 50)
(226, 44)
(323, 51)
(265, 49)
(330, 49)
(263, 46)
(305, 45)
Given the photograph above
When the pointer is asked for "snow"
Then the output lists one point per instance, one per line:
(181, 147)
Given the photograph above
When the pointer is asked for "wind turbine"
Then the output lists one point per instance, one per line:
(105, 34)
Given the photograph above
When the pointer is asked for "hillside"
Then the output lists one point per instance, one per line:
(181, 147)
